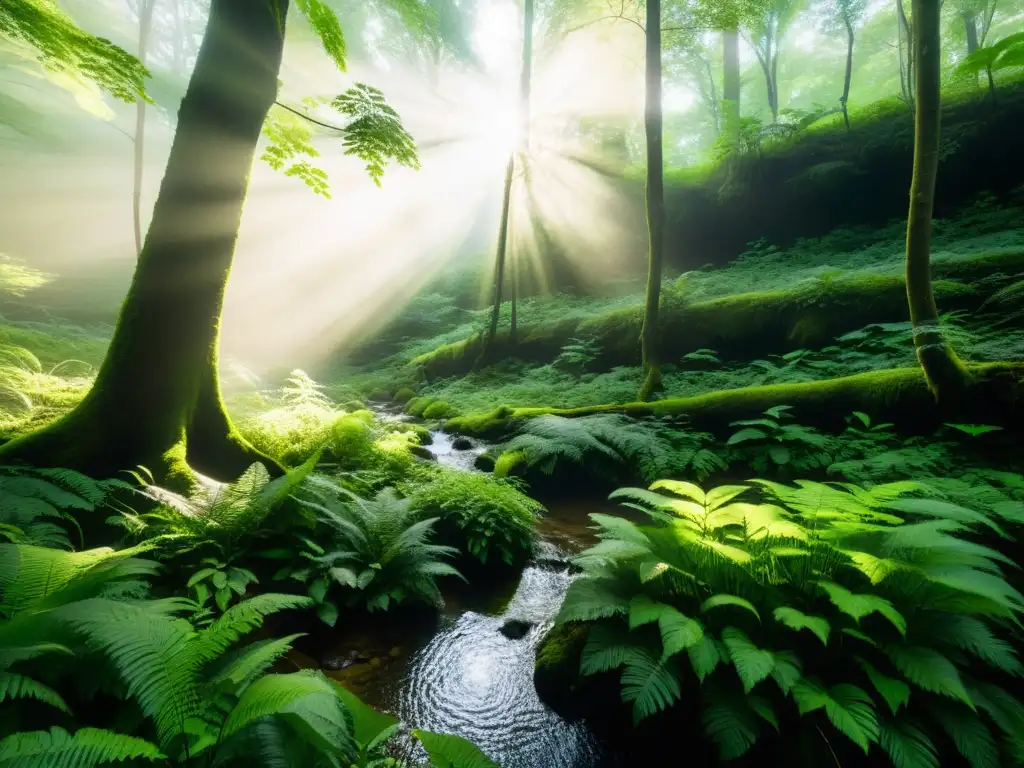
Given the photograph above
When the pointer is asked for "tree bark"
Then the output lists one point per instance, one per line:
(731, 81)
(945, 373)
(971, 28)
(848, 75)
(655, 202)
(156, 400)
(499, 266)
(906, 51)
(525, 77)
(145, 24)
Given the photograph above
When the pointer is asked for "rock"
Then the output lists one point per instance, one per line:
(516, 629)
(484, 463)
(335, 663)
(462, 444)
(422, 453)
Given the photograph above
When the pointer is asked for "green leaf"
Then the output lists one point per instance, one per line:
(722, 494)
(859, 606)
(681, 488)
(729, 721)
(200, 575)
(328, 613)
(779, 454)
(222, 598)
(930, 670)
(797, 620)
(972, 737)
(85, 748)
(778, 410)
(643, 610)
(220, 579)
(649, 683)
(318, 589)
(447, 751)
(908, 746)
(605, 649)
(974, 429)
(718, 601)
(895, 692)
(367, 723)
(787, 671)
(862, 417)
(745, 435)
(752, 663)
(678, 632)
(704, 657)
(328, 29)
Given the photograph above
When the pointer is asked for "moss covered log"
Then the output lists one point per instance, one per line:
(744, 326)
(900, 396)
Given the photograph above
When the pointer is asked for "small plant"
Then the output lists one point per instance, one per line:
(771, 445)
(221, 581)
(486, 517)
(576, 355)
(372, 553)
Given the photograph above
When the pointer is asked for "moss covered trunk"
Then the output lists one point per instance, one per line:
(946, 375)
(848, 74)
(655, 203)
(731, 81)
(156, 400)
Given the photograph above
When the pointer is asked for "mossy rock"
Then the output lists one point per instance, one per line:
(484, 462)
(380, 396)
(363, 415)
(404, 395)
(494, 423)
(352, 406)
(422, 433)
(439, 409)
(421, 452)
(556, 674)
(350, 436)
(418, 405)
(509, 464)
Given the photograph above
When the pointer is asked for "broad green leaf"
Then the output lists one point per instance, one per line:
(859, 606)
(930, 670)
(746, 435)
(907, 745)
(716, 497)
(650, 684)
(797, 620)
(718, 601)
(367, 723)
(448, 751)
(681, 488)
(752, 663)
(895, 692)
(704, 657)
(643, 610)
(678, 632)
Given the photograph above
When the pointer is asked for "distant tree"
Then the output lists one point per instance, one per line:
(945, 373)
(145, 15)
(905, 45)
(843, 16)
(765, 33)
(156, 400)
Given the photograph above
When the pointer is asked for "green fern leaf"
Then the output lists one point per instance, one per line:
(643, 610)
(859, 606)
(730, 723)
(787, 670)
(244, 617)
(588, 599)
(974, 636)
(448, 751)
(15, 686)
(606, 648)
(895, 692)
(908, 746)
(85, 748)
(250, 662)
(930, 670)
(970, 734)
(797, 620)
(649, 683)
(704, 657)
(678, 632)
(752, 663)
(717, 601)
(367, 723)
(851, 711)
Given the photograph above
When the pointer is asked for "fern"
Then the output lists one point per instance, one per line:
(85, 748)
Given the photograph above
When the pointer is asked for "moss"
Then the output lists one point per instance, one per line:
(350, 437)
(508, 462)
(352, 406)
(404, 395)
(363, 415)
(484, 462)
(418, 405)
(741, 327)
(421, 433)
(379, 395)
(438, 409)
(487, 424)
(556, 675)
(421, 452)
(899, 395)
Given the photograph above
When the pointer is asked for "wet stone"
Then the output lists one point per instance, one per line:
(462, 444)
(516, 629)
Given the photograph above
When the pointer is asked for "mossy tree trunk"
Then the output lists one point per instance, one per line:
(946, 375)
(156, 401)
(655, 202)
(145, 24)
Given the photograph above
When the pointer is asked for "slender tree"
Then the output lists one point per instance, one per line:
(501, 259)
(156, 400)
(765, 34)
(945, 373)
(145, 24)
(653, 119)
(731, 77)
(905, 43)
(843, 16)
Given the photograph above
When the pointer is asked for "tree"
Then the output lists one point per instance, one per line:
(971, 11)
(500, 259)
(905, 44)
(145, 23)
(945, 373)
(156, 400)
(844, 16)
(764, 34)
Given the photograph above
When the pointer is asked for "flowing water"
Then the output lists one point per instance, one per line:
(464, 676)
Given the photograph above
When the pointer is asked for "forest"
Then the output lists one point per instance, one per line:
(511, 383)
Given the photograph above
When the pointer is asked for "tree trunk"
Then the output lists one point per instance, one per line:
(906, 51)
(525, 76)
(655, 202)
(774, 82)
(156, 400)
(971, 28)
(946, 375)
(145, 24)
(848, 75)
(731, 81)
(499, 266)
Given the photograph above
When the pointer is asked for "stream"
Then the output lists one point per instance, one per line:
(460, 674)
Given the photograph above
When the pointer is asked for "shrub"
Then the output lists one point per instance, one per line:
(418, 405)
(439, 409)
(860, 615)
(351, 437)
(369, 553)
(488, 518)
(404, 395)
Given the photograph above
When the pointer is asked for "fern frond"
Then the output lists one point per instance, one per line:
(15, 686)
(650, 684)
(245, 616)
(85, 748)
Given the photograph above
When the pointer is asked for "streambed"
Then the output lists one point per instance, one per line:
(460, 674)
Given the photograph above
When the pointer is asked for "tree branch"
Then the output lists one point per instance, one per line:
(304, 116)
